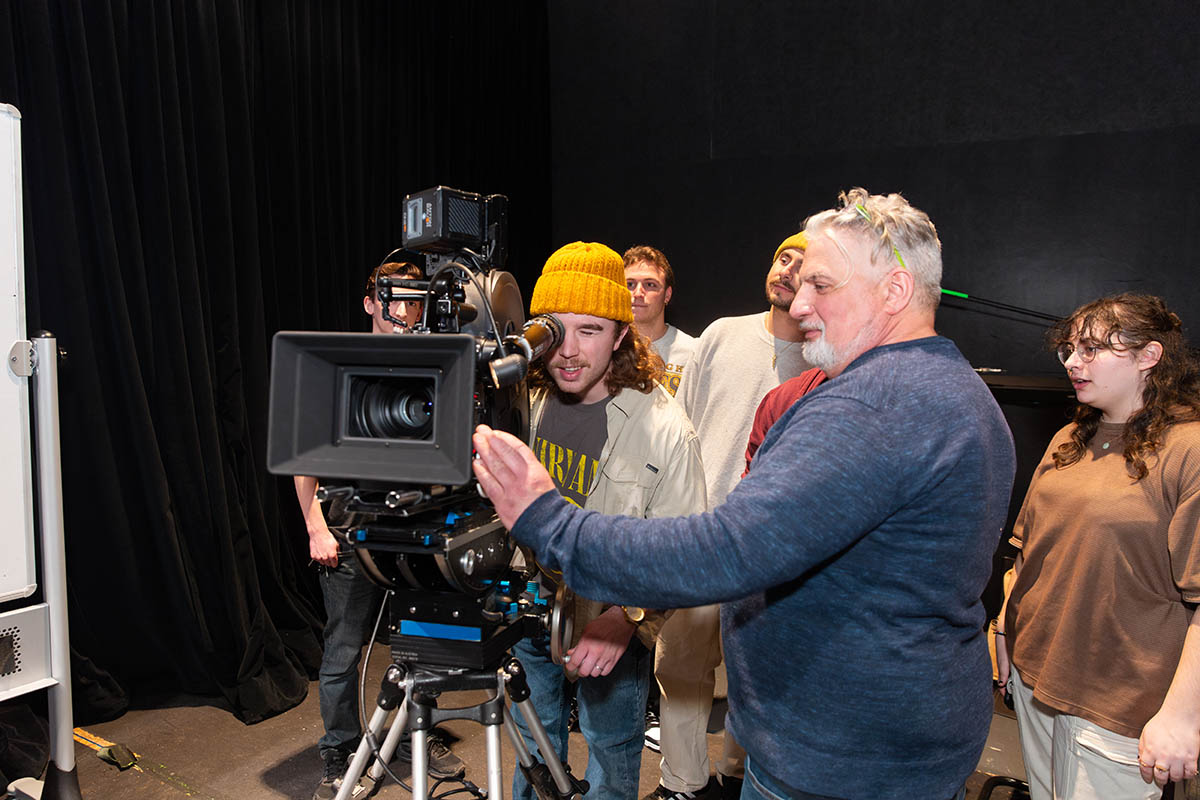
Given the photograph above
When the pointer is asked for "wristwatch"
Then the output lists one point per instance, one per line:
(634, 614)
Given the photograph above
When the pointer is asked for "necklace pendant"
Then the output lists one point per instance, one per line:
(1105, 445)
(774, 359)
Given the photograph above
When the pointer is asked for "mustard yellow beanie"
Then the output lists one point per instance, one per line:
(583, 278)
(796, 240)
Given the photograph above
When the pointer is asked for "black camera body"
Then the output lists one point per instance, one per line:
(445, 220)
(400, 410)
(390, 410)
(385, 423)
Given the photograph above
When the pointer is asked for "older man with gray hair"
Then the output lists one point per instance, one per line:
(850, 560)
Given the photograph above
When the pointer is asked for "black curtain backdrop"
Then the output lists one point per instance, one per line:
(199, 174)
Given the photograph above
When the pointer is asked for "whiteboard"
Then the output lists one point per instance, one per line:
(18, 576)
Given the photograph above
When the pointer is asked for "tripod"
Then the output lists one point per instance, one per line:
(412, 690)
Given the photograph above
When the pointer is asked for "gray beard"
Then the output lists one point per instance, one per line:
(819, 353)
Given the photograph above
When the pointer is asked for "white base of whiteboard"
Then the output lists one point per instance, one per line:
(25, 651)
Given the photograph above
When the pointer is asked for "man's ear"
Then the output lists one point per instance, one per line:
(1149, 356)
(667, 296)
(900, 286)
(369, 305)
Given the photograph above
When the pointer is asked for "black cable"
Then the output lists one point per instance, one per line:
(1002, 306)
(362, 699)
(487, 301)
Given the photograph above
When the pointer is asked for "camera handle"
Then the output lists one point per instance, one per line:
(562, 623)
(388, 290)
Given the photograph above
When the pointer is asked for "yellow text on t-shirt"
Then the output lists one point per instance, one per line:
(573, 473)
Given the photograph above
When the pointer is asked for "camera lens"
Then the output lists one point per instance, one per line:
(391, 408)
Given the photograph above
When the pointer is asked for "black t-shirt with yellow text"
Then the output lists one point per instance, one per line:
(570, 438)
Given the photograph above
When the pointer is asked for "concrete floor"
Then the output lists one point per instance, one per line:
(190, 747)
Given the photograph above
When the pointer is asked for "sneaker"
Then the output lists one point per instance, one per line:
(711, 791)
(336, 763)
(442, 762)
(653, 732)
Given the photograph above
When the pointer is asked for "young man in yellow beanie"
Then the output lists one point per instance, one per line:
(613, 441)
(735, 362)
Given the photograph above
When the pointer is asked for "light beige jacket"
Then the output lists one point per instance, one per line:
(649, 467)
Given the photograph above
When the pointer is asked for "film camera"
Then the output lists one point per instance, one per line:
(385, 423)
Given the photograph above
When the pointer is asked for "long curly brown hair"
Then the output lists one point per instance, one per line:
(635, 365)
(1128, 322)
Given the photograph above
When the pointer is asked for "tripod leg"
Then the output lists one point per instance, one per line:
(399, 726)
(391, 693)
(495, 777)
(420, 764)
(552, 769)
(362, 755)
(524, 758)
(562, 780)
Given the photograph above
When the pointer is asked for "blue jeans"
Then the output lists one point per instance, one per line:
(351, 604)
(760, 786)
(611, 718)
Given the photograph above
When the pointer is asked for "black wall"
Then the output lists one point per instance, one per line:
(1053, 144)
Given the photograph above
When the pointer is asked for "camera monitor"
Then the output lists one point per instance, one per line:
(386, 409)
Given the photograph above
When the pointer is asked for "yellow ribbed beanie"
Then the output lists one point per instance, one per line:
(796, 240)
(583, 278)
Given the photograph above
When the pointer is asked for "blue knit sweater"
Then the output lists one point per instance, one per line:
(850, 562)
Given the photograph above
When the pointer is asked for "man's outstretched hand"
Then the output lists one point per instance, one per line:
(509, 473)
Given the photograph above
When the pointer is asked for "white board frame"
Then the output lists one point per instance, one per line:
(18, 568)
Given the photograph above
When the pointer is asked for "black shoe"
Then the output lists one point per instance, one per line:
(653, 732)
(711, 791)
(442, 762)
(336, 763)
(731, 788)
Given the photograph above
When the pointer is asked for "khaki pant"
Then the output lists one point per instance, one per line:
(1069, 758)
(688, 654)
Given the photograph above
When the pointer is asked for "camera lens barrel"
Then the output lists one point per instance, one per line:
(393, 408)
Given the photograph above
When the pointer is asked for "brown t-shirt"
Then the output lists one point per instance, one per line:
(1111, 566)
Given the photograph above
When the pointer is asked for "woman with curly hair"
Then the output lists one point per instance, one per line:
(1099, 624)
